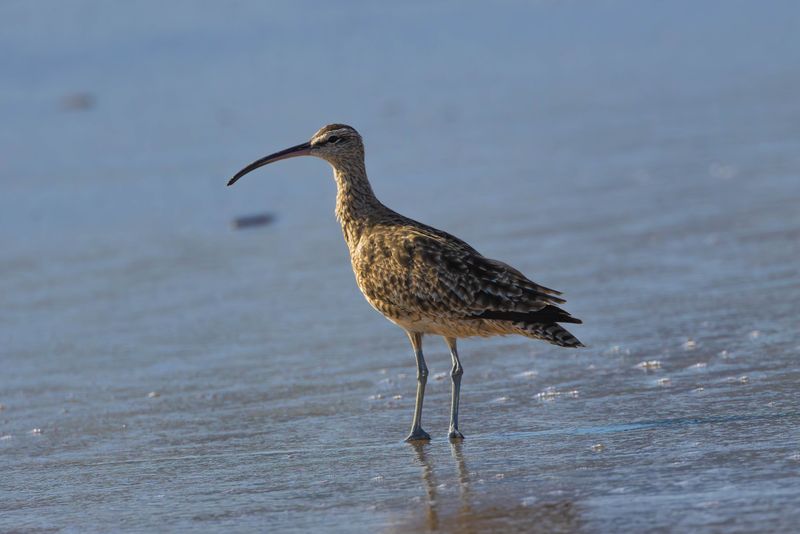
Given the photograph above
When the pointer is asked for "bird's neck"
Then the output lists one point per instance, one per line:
(356, 204)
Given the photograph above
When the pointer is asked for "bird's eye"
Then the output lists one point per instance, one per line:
(333, 139)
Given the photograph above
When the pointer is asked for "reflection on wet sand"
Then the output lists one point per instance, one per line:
(483, 513)
(431, 516)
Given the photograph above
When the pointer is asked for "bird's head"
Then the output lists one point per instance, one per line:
(335, 143)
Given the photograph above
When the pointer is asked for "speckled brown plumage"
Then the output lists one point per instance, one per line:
(429, 281)
(422, 279)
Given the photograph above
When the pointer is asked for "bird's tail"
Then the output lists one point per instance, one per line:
(540, 324)
(550, 332)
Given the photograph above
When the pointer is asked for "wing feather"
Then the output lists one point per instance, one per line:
(419, 271)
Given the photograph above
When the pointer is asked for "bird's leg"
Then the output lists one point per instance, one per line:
(422, 378)
(455, 375)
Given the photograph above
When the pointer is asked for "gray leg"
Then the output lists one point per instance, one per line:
(422, 378)
(455, 374)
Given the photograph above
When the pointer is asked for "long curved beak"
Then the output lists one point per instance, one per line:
(299, 150)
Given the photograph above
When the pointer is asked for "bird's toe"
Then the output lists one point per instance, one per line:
(455, 434)
(418, 435)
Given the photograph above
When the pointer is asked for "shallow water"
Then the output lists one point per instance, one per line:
(164, 371)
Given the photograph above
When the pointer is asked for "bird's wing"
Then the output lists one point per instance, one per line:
(434, 273)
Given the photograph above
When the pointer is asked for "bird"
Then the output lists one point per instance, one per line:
(424, 280)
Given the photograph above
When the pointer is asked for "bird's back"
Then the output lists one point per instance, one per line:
(429, 281)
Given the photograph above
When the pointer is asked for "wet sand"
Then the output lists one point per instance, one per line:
(163, 371)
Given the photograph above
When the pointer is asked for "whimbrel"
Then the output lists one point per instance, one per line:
(425, 280)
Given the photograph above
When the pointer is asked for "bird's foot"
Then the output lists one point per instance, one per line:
(455, 434)
(418, 434)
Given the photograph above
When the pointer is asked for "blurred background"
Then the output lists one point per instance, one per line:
(162, 370)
